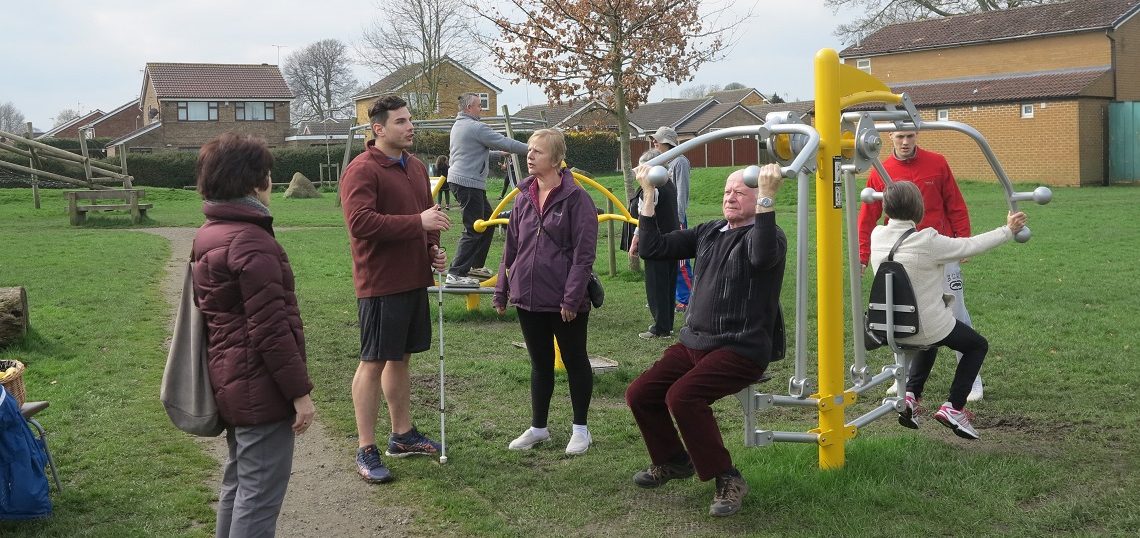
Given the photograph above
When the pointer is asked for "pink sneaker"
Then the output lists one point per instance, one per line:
(908, 417)
(959, 421)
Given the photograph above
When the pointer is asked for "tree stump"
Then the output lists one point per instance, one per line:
(13, 315)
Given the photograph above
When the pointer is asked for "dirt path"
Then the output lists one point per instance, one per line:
(325, 497)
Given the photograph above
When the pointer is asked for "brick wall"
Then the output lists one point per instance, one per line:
(453, 83)
(120, 123)
(1127, 50)
(191, 135)
(1060, 145)
(1047, 53)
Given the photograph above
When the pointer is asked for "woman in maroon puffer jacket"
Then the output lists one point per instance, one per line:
(244, 287)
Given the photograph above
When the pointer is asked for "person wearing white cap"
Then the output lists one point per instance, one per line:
(663, 140)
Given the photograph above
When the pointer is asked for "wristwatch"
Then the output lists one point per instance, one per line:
(765, 202)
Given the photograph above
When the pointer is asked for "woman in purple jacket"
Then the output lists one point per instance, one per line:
(547, 260)
(244, 287)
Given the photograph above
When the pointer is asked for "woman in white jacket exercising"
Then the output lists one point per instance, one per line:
(923, 254)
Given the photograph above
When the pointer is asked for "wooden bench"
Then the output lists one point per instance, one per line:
(80, 202)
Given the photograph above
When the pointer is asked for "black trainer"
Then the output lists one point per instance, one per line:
(658, 475)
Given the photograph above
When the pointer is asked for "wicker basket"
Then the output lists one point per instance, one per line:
(15, 382)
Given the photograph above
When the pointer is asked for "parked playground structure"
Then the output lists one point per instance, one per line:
(838, 147)
(96, 176)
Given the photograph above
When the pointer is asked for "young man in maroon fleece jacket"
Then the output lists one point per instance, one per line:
(393, 227)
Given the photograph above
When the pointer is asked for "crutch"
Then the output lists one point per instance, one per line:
(442, 407)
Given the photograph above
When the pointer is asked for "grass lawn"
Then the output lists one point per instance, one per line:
(1058, 422)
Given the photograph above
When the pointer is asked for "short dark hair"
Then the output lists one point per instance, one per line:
(232, 166)
(378, 112)
(441, 161)
(903, 201)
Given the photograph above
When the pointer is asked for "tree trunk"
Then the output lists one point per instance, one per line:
(626, 163)
(13, 315)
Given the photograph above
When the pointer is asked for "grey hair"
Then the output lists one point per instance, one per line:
(648, 154)
(468, 99)
(903, 201)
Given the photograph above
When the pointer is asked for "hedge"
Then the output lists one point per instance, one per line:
(595, 152)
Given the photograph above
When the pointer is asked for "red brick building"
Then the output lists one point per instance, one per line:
(1035, 81)
(118, 122)
(186, 105)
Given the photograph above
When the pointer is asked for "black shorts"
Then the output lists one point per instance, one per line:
(392, 326)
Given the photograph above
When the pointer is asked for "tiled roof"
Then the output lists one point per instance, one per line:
(135, 133)
(799, 107)
(401, 76)
(706, 117)
(733, 96)
(1017, 23)
(217, 81)
(81, 120)
(132, 103)
(555, 113)
(324, 127)
(1006, 88)
(650, 116)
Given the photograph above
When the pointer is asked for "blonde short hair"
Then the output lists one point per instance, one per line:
(555, 143)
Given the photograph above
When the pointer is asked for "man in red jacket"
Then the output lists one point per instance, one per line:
(393, 229)
(945, 211)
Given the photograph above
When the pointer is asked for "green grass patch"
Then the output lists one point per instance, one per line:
(1058, 423)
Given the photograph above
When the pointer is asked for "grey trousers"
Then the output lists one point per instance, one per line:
(255, 478)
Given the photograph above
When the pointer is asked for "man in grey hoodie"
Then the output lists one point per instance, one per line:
(471, 145)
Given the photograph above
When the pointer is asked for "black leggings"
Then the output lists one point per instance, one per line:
(963, 339)
(539, 330)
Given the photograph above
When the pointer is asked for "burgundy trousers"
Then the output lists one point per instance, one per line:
(681, 387)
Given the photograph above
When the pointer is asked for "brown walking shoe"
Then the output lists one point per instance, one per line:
(730, 491)
(658, 475)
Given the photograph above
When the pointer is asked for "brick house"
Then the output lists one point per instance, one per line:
(185, 105)
(408, 82)
(321, 133)
(689, 117)
(70, 129)
(125, 119)
(744, 96)
(1035, 81)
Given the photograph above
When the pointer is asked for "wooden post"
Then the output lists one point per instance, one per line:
(86, 158)
(127, 180)
(77, 218)
(511, 135)
(32, 161)
(133, 201)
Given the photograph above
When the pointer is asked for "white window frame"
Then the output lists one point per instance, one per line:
(245, 108)
(1026, 111)
(184, 110)
(864, 65)
(484, 101)
(944, 114)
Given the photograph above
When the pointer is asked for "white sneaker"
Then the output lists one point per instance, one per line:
(461, 281)
(976, 391)
(959, 421)
(578, 444)
(528, 439)
(893, 390)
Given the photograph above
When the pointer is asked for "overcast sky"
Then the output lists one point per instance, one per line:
(85, 55)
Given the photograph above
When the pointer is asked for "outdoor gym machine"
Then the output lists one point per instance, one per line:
(838, 147)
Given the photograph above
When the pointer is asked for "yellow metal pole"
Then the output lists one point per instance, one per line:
(829, 263)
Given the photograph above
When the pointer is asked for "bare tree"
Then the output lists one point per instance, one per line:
(612, 51)
(880, 13)
(11, 119)
(428, 31)
(65, 115)
(698, 91)
(321, 76)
